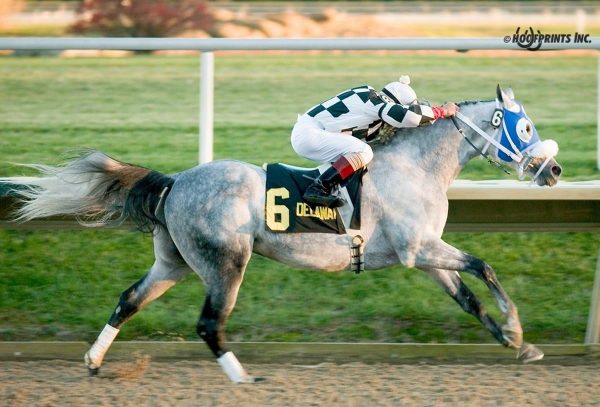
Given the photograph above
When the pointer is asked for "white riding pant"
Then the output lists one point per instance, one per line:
(310, 140)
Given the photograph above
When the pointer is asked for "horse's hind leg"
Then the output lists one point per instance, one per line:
(221, 265)
(218, 304)
(166, 271)
(220, 299)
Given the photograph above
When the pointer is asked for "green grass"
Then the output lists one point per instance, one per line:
(34, 30)
(64, 284)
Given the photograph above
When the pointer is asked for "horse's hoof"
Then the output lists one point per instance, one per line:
(513, 337)
(92, 369)
(250, 380)
(529, 353)
(235, 371)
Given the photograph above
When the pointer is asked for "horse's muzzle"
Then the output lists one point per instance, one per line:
(549, 175)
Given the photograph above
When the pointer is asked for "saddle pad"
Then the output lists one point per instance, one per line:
(286, 212)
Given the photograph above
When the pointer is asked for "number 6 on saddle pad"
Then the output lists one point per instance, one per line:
(286, 211)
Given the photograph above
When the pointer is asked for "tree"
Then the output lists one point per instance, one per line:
(142, 18)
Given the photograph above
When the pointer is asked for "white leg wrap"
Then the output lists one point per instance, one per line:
(233, 368)
(96, 353)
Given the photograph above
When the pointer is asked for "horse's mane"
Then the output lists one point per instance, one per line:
(472, 102)
(463, 103)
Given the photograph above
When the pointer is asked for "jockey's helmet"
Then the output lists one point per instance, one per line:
(399, 92)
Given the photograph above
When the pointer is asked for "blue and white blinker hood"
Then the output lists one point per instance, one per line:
(519, 140)
(517, 133)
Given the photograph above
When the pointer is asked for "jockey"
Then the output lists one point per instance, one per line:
(337, 131)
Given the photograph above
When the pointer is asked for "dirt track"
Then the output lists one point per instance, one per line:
(146, 383)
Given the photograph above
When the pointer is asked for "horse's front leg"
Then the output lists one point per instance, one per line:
(455, 287)
(437, 254)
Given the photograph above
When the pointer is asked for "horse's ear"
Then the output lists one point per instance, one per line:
(509, 92)
(504, 98)
(498, 92)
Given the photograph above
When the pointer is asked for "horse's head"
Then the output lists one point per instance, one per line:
(521, 144)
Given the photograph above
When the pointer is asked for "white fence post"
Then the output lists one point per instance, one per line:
(580, 21)
(207, 85)
(598, 114)
(592, 334)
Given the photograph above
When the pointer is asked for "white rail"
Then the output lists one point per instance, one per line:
(291, 44)
(503, 190)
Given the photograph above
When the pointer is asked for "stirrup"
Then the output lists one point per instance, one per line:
(323, 199)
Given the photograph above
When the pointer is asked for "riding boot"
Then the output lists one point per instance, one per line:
(319, 192)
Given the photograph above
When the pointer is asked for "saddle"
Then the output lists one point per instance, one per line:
(287, 212)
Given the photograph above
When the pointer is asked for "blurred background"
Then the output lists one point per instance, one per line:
(143, 108)
(258, 19)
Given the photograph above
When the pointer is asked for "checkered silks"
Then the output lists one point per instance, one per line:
(361, 112)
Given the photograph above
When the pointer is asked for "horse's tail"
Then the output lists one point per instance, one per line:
(96, 189)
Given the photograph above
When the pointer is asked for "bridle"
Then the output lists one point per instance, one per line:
(522, 158)
(489, 159)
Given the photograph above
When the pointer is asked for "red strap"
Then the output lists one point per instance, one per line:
(438, 112)
(343, 167)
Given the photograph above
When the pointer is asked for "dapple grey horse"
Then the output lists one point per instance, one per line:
(209, 219)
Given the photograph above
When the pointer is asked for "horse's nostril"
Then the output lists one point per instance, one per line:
(556, 170)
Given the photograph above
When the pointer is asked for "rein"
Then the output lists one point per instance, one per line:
(489, 159)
